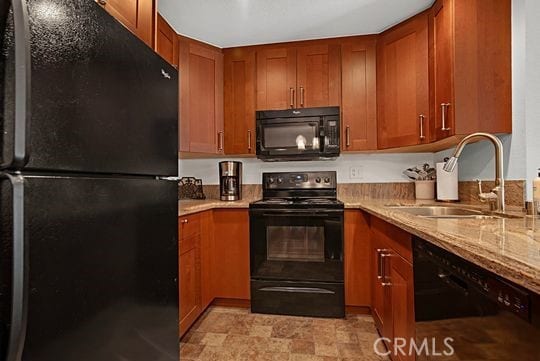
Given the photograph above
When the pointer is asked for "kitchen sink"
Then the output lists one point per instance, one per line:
(449, 212)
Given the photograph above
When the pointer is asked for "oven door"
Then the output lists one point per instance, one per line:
(286, 137)
(297, 245)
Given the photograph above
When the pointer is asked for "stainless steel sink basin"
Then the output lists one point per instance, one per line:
(448, 212)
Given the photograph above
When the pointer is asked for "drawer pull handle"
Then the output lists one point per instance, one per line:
(184, 221)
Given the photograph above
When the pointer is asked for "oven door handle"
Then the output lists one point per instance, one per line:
(297, 290)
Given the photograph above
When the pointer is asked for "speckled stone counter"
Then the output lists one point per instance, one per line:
(186, 207)
(507, 247)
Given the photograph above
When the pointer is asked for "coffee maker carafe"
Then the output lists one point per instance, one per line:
(230, 181)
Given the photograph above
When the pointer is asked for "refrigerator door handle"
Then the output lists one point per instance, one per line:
(22, 84)
(19, 302)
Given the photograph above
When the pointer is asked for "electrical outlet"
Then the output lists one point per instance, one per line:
(356, 172)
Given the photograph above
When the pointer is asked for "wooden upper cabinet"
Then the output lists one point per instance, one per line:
(298, 76)
(239, 100)
(318, 76)
(443, 53)
(403, 84)
(276, 78)
(201, 97)
(136, 15)
(471, 66)
(358, 99)
(166, 41)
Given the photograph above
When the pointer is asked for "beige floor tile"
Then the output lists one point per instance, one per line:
(229, 334)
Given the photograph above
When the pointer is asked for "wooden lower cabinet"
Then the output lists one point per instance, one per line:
(213, 260)
(189, 229)
(357, 259)
(400, 279)
(392, 286)
(190, 288)
(230, 261)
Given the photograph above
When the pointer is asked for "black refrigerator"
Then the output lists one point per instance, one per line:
(88, 206)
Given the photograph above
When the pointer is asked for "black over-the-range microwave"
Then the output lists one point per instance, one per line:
(298, 134)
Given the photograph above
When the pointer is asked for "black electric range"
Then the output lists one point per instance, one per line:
(296, 246)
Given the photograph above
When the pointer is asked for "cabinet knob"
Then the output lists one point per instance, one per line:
(102, 2)
(184, 221)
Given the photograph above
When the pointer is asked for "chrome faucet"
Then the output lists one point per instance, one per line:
(496, 196)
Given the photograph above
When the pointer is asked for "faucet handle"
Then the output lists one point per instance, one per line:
(479, 182)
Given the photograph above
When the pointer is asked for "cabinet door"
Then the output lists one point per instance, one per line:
(379, 292)
(207, 244)
(276, 79)
(359, 106)
(166, 42)
(230, 265)
(136, 15)
(402, 303)
(318, 76)
(443, 69)
(190, 288)
(403, 84)
(239, 101)
(357, 259)
(201, 98)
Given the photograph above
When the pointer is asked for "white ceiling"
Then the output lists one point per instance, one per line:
(228, 23)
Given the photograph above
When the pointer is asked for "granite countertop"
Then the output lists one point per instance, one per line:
(507, 247)
(189, 206)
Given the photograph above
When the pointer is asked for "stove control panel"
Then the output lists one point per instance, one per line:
(300, 180)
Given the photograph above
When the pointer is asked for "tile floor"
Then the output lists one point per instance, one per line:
(224, 334)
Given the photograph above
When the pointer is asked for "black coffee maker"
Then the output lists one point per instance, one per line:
(230, 181)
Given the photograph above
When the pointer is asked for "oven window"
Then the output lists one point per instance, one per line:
(282, 136)
(295, 243)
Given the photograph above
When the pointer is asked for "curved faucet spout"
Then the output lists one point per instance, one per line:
(499, 163)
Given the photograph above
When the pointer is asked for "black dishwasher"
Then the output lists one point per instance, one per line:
(464, 312)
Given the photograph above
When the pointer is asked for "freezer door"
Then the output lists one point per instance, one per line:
(99, 100)
(95, 275)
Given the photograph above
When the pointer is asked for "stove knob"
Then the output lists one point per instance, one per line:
(271, 180)
(318, 180)
(280, 180)
(326, 180)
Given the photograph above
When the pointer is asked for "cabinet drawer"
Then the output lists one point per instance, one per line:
(393, 237)
(189, 226)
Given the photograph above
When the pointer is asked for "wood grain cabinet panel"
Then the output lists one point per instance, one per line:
(239, 100)
(201, 98)
(318, 82)
(276, 78)
(136, 15)
(166, 41)
(358, 97)
(357, 259)
(230, 266)
(401, 285)
(392, 283)
(470, 44)
(190, 288)
(403, 84)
